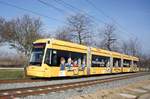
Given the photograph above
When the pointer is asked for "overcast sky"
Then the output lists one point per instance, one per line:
(132, 15)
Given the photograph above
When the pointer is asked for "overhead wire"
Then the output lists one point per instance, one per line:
(28, 10)
(75, 9)
(109, 17)
(50, 5)
(67, 5)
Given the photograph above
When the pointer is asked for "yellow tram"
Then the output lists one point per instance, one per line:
(55, 58)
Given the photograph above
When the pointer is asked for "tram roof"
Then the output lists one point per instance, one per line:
(96, 50)
(135, 58)
(41, 41)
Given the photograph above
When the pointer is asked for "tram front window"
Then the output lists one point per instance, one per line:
(36, 56)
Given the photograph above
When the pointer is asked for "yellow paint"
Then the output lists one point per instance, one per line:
(37, 71)
(73, 49)
(42, 41)
(116, 54)
(126, 69)
(116, 70)
(127, 57)
(101, 52)
(54, 71)
(100, 70)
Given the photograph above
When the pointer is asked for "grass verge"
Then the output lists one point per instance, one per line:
(11, 74)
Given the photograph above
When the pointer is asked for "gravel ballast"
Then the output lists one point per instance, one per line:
(91, 89)
(51, 82)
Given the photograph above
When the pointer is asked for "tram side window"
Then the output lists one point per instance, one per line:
(53, 57)
(116, 62)
(57, 55)
(48, 57)
(100, 61)
(135, 63)
(54, 60)
(126, 63)
(78, 59)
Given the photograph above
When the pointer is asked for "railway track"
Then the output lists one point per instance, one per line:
(29, 80)
(20, 81)
(22, 92)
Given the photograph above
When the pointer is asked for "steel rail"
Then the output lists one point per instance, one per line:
(30, 80)
(22, 92)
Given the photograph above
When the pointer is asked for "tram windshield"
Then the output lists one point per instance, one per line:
(37, 54)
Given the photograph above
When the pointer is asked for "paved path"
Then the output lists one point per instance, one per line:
(139, 90)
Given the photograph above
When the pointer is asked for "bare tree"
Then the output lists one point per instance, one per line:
(2, 25)
(135, 47)
(12, 60)
(131, 47)
(21, 32)
(109, 38)
(145, 60)
(80, 27)
(125, 47)
(63, 34)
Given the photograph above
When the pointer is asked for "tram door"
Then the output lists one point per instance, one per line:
(121, 64)
(108, 65)
(88, 60)
(111, 64)
(132, 67)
